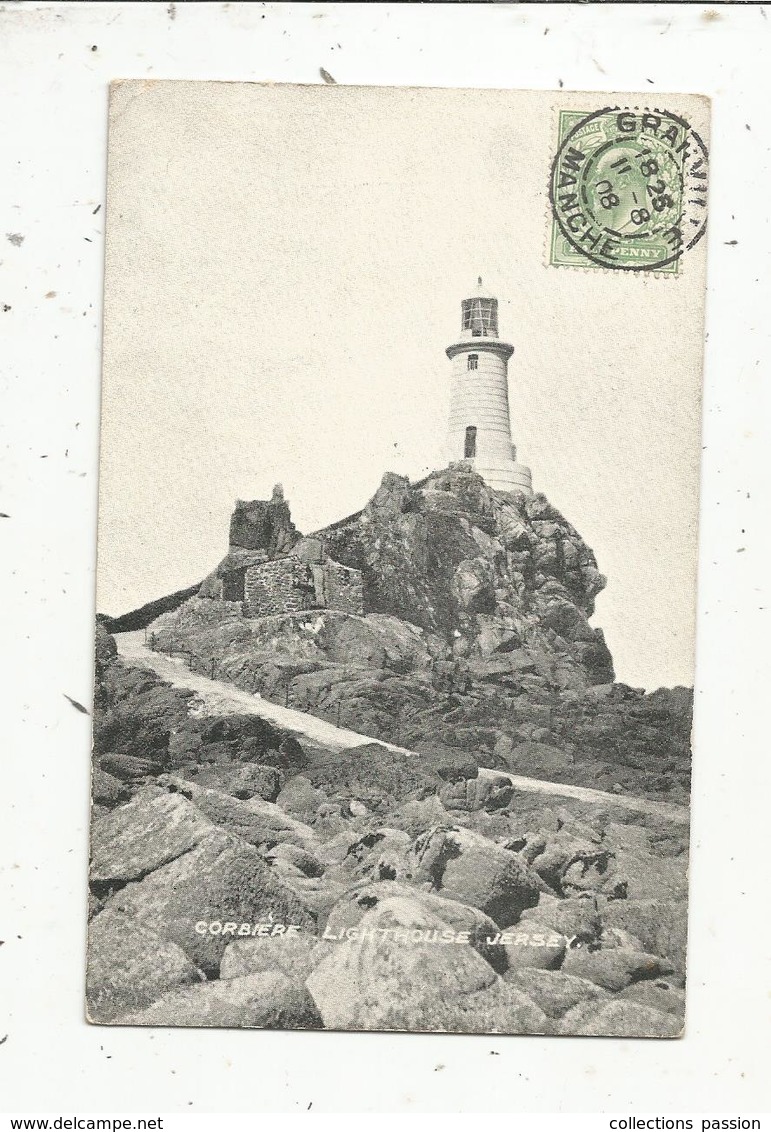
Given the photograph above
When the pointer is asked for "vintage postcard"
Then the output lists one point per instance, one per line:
(397, 559)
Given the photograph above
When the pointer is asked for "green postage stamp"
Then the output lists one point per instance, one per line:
(628, 190)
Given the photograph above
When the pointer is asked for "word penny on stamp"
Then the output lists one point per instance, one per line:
(628, 190)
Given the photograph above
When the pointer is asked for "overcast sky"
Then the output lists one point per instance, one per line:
(285, 267)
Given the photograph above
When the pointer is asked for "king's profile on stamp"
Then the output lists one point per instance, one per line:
(629, 190)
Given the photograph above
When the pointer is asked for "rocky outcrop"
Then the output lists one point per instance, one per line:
(502, 582)
(476, 637)
(489, 573)
(264, 525)
(375, 675)
(147, 613)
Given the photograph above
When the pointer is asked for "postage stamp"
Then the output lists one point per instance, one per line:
(628, 190)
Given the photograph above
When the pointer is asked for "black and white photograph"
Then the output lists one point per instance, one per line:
(372, 751)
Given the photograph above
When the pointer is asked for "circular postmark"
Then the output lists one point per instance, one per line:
(629, 187)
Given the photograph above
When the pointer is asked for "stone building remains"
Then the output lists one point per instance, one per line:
(271, 569)
(289, 585)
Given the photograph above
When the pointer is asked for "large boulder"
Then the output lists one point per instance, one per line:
(415, 816)
(660, 925)
(148, 832)
(579, 918)
(203, 900)
(294, 955)
(619, 1018)
(482, 932)
(405, 970)
(293, 861)
(614, 968)
(129, 966)
(659, 994)
(251, 780)
(106, 790)
(265, 1000)
(256, 821)
(462, 865)
(530, 945)
(300, 798)
(537, 760)
(556, 992)
(554, 853)
(640, 875)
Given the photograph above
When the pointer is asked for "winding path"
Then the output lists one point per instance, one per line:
(218, 697)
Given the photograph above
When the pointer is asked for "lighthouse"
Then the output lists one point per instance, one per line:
(479, 429)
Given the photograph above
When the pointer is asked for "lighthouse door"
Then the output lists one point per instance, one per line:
(470, 448)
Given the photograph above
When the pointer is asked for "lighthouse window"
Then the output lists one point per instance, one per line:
(470, 448)
(473, 361)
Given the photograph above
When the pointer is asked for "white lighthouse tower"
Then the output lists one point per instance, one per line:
(479, 430)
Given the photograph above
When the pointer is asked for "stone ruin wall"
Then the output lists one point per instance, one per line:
(288, 585)
(339, 587)
(281, 586)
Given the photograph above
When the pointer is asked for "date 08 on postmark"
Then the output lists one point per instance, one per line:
(628, 190)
